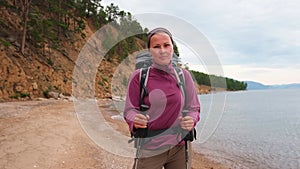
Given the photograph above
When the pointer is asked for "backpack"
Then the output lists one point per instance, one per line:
(143, 62)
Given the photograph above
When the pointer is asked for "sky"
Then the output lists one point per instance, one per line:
(254, 40)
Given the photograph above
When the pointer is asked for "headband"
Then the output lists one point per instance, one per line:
(157, 30)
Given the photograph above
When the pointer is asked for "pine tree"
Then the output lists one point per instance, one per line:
(25, 6)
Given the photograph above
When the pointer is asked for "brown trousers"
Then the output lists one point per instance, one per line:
(169, 158)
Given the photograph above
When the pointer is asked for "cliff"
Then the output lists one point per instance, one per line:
(41, 70)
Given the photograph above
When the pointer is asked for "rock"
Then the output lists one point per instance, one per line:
(54, 95)
(34, 86)
(63, 97)
(19, 88)
(11, 39)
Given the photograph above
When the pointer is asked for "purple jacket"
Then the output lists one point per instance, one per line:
(165, 102)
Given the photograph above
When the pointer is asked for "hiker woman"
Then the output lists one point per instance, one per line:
(162, 120)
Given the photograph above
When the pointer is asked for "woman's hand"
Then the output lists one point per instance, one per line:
(140, 121)
(187, 123)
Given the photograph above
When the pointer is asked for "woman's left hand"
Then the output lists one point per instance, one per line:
(187, 123)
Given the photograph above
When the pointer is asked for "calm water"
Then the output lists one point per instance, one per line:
(251, 129)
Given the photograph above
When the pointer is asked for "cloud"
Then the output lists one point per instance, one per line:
(268, 76)
(253, 31)
(245, 34)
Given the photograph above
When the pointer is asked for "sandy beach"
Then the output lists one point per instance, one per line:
(46, 134)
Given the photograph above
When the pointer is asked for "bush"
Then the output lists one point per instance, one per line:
(46, 93)
(24, 95)
(20, 95)
(4, 42)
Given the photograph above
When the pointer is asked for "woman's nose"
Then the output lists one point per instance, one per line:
(162, 50)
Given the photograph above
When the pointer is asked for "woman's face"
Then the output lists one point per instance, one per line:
(161, 48)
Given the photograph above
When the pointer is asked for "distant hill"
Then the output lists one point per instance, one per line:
(286, 86)
(251, 85)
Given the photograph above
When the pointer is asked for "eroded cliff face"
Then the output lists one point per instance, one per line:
(41, 70)
(34, 74)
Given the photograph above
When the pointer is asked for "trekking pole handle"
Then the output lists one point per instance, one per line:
(184, 113)
(142, 132)
(187, 135)
(144, 108)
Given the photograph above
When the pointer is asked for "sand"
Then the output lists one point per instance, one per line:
(46, 134)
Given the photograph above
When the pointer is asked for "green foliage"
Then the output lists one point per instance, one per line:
(74, 82)
(4, 42)
(46, 93)
(104, 78)
(218, 81)
(15, 96)
(50, 62)
(109, 40)
(112, 12)
(100, 83)
(125, 81)
(201, 78)
(65, 80)
(234, 85)
(20, 95)
(128, 45)
(24, 95)
(4, 3)
(50, 22)
(176, 50)
(127, 61)
(129, 26)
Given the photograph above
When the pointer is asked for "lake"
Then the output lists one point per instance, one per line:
(251, 129)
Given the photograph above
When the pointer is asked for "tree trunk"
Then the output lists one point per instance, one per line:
(59, 19)
(25, 4)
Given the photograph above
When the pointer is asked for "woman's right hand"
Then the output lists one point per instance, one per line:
(140, 121)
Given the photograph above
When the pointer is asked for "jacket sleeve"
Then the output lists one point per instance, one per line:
(192, 102)
(132, 100)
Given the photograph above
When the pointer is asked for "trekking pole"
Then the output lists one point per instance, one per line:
(187, 163)
(186, 138)
(141, 133)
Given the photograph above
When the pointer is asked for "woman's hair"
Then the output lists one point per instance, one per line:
(159, 30)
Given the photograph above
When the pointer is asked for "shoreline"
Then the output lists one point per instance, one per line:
(47, 134)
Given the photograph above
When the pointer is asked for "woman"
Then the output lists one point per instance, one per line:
(165, 102)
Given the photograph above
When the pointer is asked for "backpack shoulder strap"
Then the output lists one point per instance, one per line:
(181, 83)
(144, 73)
